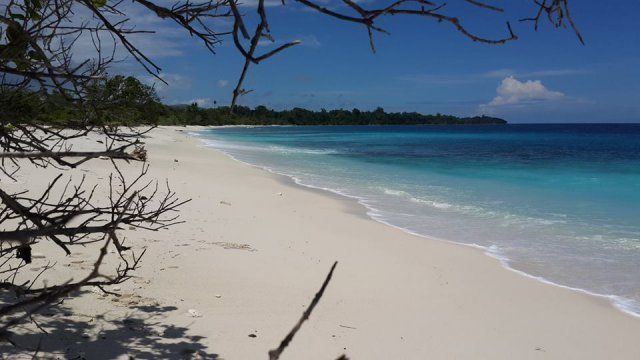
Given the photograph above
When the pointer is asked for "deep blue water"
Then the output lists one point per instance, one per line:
(559, 202)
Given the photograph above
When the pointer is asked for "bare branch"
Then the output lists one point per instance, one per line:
(277, 352)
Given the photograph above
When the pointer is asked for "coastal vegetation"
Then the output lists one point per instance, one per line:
(126, 100)
(261, 115)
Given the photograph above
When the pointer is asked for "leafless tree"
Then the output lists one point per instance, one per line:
(39, 36)
(37, 39)
(72, 215)
(37, 43)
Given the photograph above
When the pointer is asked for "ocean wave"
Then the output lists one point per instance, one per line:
(286, 150)
(394, 192)
(475, 211)
(443, 205)
(224, 145)
(507, 218)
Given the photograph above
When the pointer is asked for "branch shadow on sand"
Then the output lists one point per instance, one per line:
(139, 333)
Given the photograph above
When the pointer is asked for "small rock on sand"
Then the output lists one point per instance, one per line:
(194, 313)
(218, 296)
(96, 290)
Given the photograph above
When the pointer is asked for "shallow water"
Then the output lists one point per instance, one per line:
(558, 202)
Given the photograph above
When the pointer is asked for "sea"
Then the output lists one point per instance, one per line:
(557, 202)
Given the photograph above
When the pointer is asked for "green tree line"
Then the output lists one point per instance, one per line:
(125, 100)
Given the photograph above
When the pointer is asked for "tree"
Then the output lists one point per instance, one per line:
(124, 100)
(127, 92)
(38, 69)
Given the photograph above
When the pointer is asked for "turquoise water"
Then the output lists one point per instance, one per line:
(557, 202)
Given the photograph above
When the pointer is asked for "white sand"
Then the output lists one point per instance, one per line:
(393, 295)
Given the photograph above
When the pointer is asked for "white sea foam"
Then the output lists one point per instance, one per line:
(438, 205)
(271, 148)
(394, 192)
(509, 218)
(285, 150)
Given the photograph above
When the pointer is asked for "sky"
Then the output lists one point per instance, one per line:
(422, 65)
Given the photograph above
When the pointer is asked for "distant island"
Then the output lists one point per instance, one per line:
(126, 100)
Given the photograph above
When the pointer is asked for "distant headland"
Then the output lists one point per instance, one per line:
(261, 115)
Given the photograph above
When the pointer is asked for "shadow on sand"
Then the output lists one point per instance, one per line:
(138, 334)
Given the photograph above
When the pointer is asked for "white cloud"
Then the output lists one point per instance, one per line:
(515, 92)
(201, 102)
(167, 40)
(176, 87)
(223, 83)
(309, 41)
(174, 82)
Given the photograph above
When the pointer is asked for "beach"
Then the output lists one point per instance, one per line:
(254, 249)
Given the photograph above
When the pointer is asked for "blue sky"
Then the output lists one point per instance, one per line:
(424, 66)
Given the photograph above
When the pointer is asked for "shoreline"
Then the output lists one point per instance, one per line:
(366, 211)
(255, 247)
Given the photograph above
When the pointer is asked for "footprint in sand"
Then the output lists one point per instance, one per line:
(134, 300)
(141, 281)
(233, 246)
(170, 267)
